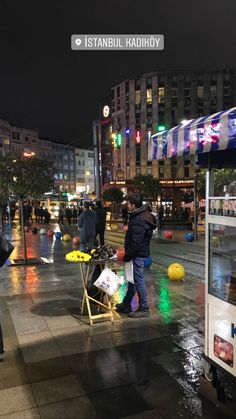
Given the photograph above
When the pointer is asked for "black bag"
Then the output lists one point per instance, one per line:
(6, 248)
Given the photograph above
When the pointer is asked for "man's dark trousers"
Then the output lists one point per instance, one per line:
(101, 234)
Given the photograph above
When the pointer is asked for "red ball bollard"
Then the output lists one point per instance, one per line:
(168, 235)
(125, 228)
(76, 240)
(50, 233)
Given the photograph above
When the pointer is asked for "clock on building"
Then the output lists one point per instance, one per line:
(106, 111)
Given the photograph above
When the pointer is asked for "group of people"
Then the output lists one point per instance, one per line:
(4, 209)
(92, 225)
(70, 214)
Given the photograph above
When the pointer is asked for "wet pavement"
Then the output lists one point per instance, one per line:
(57, 366)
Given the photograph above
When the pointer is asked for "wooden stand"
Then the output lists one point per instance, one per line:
(86, 272)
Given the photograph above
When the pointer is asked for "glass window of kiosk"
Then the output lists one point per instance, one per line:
(223, 193)
(224, 182)
(222, 262)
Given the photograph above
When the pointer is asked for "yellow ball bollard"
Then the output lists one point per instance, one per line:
(114, 227)
(66, 238)
(176, 272)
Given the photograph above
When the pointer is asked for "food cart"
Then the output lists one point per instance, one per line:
(212, 140)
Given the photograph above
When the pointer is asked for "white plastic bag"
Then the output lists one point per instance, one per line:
(129, 271)
(108, 282)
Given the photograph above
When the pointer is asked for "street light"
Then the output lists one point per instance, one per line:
(28, 154)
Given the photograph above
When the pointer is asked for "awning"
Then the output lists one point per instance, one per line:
(207, 134)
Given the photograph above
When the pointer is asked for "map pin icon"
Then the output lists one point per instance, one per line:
(78, 42)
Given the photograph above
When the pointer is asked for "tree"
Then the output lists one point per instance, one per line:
(25, 177)
(147, 185)
(114, 195)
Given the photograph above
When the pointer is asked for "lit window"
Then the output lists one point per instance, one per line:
(200, 92)
(149, 96)
(137, 97)
(161, 95)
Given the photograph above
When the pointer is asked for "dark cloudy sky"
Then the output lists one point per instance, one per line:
(44, 84)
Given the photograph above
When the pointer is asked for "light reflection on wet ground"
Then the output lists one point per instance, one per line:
(136, 368)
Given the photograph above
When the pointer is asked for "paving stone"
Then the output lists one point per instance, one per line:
(118, 402)
(73, 340)
(16, 398)
(48, 368)
(57, 389)
(148, 414)
(36, 347)
(61, 322)
(12, 375)
(22, 414)
(77, 408)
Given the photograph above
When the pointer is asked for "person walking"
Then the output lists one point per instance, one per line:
(125, 215)
(87, 225)
(74, 215)
(101, 222)
(68, 215)
(61, 215)
(137, 248)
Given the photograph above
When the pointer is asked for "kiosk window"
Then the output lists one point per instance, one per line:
(222, 262)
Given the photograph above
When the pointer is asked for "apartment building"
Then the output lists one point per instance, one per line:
(151, 103)
(84, 170)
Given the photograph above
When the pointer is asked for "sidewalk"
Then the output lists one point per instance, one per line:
(57, 366)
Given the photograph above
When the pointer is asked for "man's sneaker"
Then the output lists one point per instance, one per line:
(1, 356)
(122, 308)
(139, 313)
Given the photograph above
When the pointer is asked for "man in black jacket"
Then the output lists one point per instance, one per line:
(101, 221)
(137, 243)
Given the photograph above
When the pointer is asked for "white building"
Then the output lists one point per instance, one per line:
(84, 170)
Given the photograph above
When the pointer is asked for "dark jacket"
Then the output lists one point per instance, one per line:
(87, 225)
(139, 234)
(101, 218)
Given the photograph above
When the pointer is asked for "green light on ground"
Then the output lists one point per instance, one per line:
(165, 302)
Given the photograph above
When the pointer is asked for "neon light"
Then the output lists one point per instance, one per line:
(119, 140)
(138, 138)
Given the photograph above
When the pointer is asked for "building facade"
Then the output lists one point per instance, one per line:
(27, 142)
(84, 170)
(152, 103)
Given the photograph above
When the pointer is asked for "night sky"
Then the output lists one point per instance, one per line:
(44, 84)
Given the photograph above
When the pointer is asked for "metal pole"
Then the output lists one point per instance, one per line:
(9, 215)
(23, 230)
(97, 173)
(195, 232)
